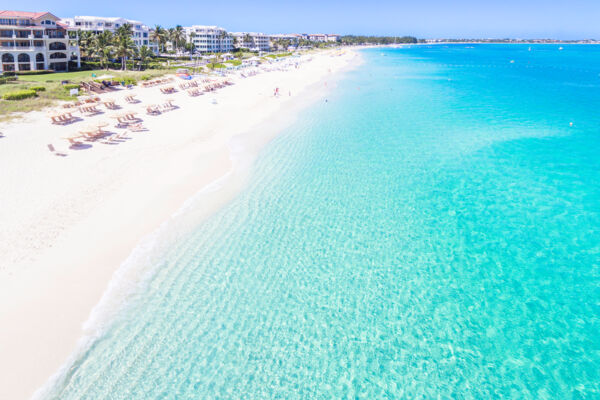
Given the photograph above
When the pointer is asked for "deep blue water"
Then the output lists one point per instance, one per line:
(432, 231)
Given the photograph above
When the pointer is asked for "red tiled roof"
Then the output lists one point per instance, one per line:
(23, 14)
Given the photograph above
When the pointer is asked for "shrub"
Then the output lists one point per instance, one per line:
(6, 79)
(38, 88)
(19, 95)
(70, 86)
(215, 65)
(128, 81)
(145, 77)
(35, 72)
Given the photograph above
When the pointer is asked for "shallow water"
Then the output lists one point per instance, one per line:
(432, 231)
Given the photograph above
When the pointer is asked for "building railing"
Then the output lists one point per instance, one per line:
(22, 48)
(54, 35)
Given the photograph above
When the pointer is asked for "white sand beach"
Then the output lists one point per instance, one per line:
(71, 216)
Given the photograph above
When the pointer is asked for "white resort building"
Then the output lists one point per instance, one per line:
(35, 41)
(209, 39)
(291, 37)
(140, 36)
(321, 37)
(253, 41)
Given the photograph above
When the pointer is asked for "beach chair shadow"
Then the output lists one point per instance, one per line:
(80, 146)
(53, 150)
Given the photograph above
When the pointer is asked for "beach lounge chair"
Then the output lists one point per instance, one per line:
(137, 127)
(152, 110)
(89, 110)
(56, 119)
(110, 104)
(73, 139)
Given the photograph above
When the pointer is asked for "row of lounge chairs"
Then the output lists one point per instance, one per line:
(157, 82)
(188, 85)
(62, 118)
(96, 87)
(168, 90)
(195, 92)
(155, 109)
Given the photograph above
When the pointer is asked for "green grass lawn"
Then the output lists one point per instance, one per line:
(62, 76)
(78, 76)
(54, 90)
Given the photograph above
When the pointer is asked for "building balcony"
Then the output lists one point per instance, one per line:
(55, 36)
(20, 49)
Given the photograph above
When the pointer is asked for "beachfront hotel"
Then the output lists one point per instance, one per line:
(140, 36)
(209, 39)
(36, 41)
(253, 41)
(322, 37)
(292, 37)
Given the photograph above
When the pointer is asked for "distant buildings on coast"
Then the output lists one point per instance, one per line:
(42, 41)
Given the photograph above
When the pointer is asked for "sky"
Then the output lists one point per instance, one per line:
(559, 19)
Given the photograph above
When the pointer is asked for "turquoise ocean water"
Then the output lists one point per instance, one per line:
(432, 231)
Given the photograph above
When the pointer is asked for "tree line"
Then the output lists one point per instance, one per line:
(352, 39)
(106, 46)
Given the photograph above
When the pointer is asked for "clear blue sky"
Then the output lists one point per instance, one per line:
(562, 19)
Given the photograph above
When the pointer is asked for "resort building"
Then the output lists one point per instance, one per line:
(321, 37)
(253, 41)
(291, 37)
(140, 35)
(35, 41)
(209, 39)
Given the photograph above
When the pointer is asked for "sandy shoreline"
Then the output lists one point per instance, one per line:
(69, 222)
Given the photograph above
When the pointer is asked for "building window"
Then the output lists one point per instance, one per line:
(58, 46)
(23, 60)
(39, 61)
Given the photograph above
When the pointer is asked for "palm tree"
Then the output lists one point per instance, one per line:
(170, 36)
(178, 37)
(101, 47)
(124, 46)
(222, 36)
(144, 53)
(248, 41)
(84, 41)
(158, 36)
(191, 42)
